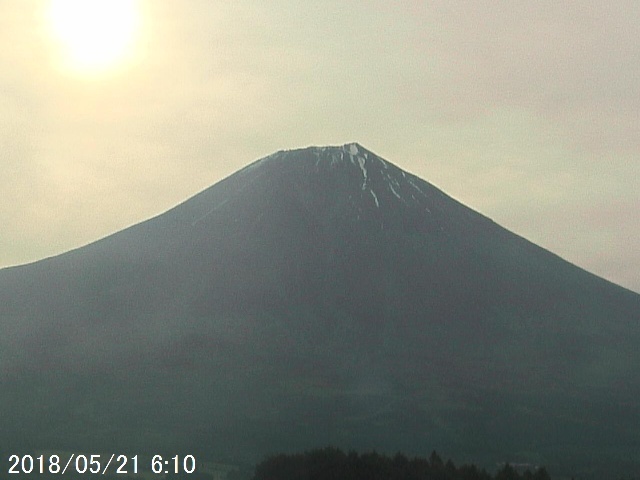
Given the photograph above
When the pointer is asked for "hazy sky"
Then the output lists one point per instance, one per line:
(528, 112)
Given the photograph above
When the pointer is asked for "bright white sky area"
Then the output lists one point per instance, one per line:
(528, 112)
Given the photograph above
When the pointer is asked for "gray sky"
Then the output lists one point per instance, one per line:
(528, 112)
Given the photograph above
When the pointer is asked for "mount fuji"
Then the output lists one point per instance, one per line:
(321, 296)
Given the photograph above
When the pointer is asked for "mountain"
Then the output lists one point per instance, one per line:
(321, 296)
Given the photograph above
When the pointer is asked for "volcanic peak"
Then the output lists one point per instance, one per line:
(370, 177)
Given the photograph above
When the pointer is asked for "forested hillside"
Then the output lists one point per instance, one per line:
(333, 464)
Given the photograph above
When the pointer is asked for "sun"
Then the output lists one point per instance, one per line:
(94, 36)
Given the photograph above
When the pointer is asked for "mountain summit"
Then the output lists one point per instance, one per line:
(321, 296)
(359, 172)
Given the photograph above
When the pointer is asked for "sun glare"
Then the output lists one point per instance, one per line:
(94, 36)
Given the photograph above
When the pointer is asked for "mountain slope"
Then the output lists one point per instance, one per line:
(321, 296)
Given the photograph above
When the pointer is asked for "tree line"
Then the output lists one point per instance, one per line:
(334, 464)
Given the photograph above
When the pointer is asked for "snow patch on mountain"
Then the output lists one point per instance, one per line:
(375, 198)
(364, 172)
(390, 182)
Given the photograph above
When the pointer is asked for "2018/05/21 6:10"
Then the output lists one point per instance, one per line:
(92, 464)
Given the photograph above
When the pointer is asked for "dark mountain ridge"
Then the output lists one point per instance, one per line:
(321, 296)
